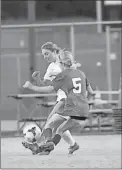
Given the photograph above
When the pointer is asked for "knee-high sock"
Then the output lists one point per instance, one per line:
(68, 138)
(63, 128)
(56, 139)
(48, 134)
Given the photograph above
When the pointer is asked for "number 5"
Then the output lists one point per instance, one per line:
(77, 85)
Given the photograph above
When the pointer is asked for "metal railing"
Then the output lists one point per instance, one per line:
(60, 24)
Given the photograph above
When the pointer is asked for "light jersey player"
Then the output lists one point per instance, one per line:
(73, 83)
(51, 52)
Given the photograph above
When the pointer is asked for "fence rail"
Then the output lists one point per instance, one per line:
(54, 94)
(60, 24)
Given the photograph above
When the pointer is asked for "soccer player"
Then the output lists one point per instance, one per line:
(51, 54)
(75, 107)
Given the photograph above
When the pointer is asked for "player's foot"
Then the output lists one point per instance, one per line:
(44, 152)
(44, 149)
(48, 147)
(33, 147)
(73, 148)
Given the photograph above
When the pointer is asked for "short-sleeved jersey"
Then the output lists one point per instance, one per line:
(52, 71)
(73, 82)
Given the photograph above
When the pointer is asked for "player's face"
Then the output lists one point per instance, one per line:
(49, 56)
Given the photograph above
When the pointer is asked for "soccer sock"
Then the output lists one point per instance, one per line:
(56, 139)
(68, 138)
(48, 134)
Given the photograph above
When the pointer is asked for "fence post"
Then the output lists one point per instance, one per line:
(31, 37)
(108, 62)
(99, 15)
(18, 104)
(120, 93)
(0, 54)
(72, 40)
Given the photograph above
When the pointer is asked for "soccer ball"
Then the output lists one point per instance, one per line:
(32, 133)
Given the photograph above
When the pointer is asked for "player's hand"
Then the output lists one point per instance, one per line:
(36, 75)
(28, 85)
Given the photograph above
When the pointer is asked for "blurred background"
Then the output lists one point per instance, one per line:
(69, 24)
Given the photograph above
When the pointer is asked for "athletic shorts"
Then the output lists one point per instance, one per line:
(79, 117)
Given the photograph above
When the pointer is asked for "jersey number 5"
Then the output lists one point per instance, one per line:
(77, 85)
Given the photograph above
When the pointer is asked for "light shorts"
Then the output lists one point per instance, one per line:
(66, 117)
(61, 95)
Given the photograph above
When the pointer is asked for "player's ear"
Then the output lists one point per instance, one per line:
(55, 52)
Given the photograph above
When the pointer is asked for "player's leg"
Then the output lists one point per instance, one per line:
(69, 123)
(68, 138)
(58, 121)
(66, 125)
(54, 123)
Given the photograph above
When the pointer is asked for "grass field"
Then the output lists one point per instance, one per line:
(94, 152)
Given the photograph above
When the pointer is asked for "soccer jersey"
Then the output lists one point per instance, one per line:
(52, 71)
(73, 83)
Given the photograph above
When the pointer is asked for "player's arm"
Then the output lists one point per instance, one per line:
(46, 79)
(42, 89)
(56, 85)
(89, 88)
(39, 81)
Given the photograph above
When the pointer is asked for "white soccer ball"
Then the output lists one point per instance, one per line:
(32, 133)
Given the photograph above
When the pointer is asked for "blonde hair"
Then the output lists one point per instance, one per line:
(52, 47)
(76, 65)
(66, 58)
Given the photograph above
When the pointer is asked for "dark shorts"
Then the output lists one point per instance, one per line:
(79, 117)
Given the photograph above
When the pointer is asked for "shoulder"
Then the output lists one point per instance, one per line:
(53, 68)
(50, 66)
(82, 73)
(60, 76)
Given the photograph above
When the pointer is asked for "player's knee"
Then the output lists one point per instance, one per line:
(59, 131)
(49, 125)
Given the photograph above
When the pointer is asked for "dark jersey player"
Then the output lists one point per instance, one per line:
(73, 82)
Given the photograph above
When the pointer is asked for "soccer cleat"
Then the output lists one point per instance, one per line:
(44, 152)
(46, 148)
(49, 146)
(33, 147)
(73, 148)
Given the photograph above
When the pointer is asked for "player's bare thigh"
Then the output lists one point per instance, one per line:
(71, 123)
(55, 121)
